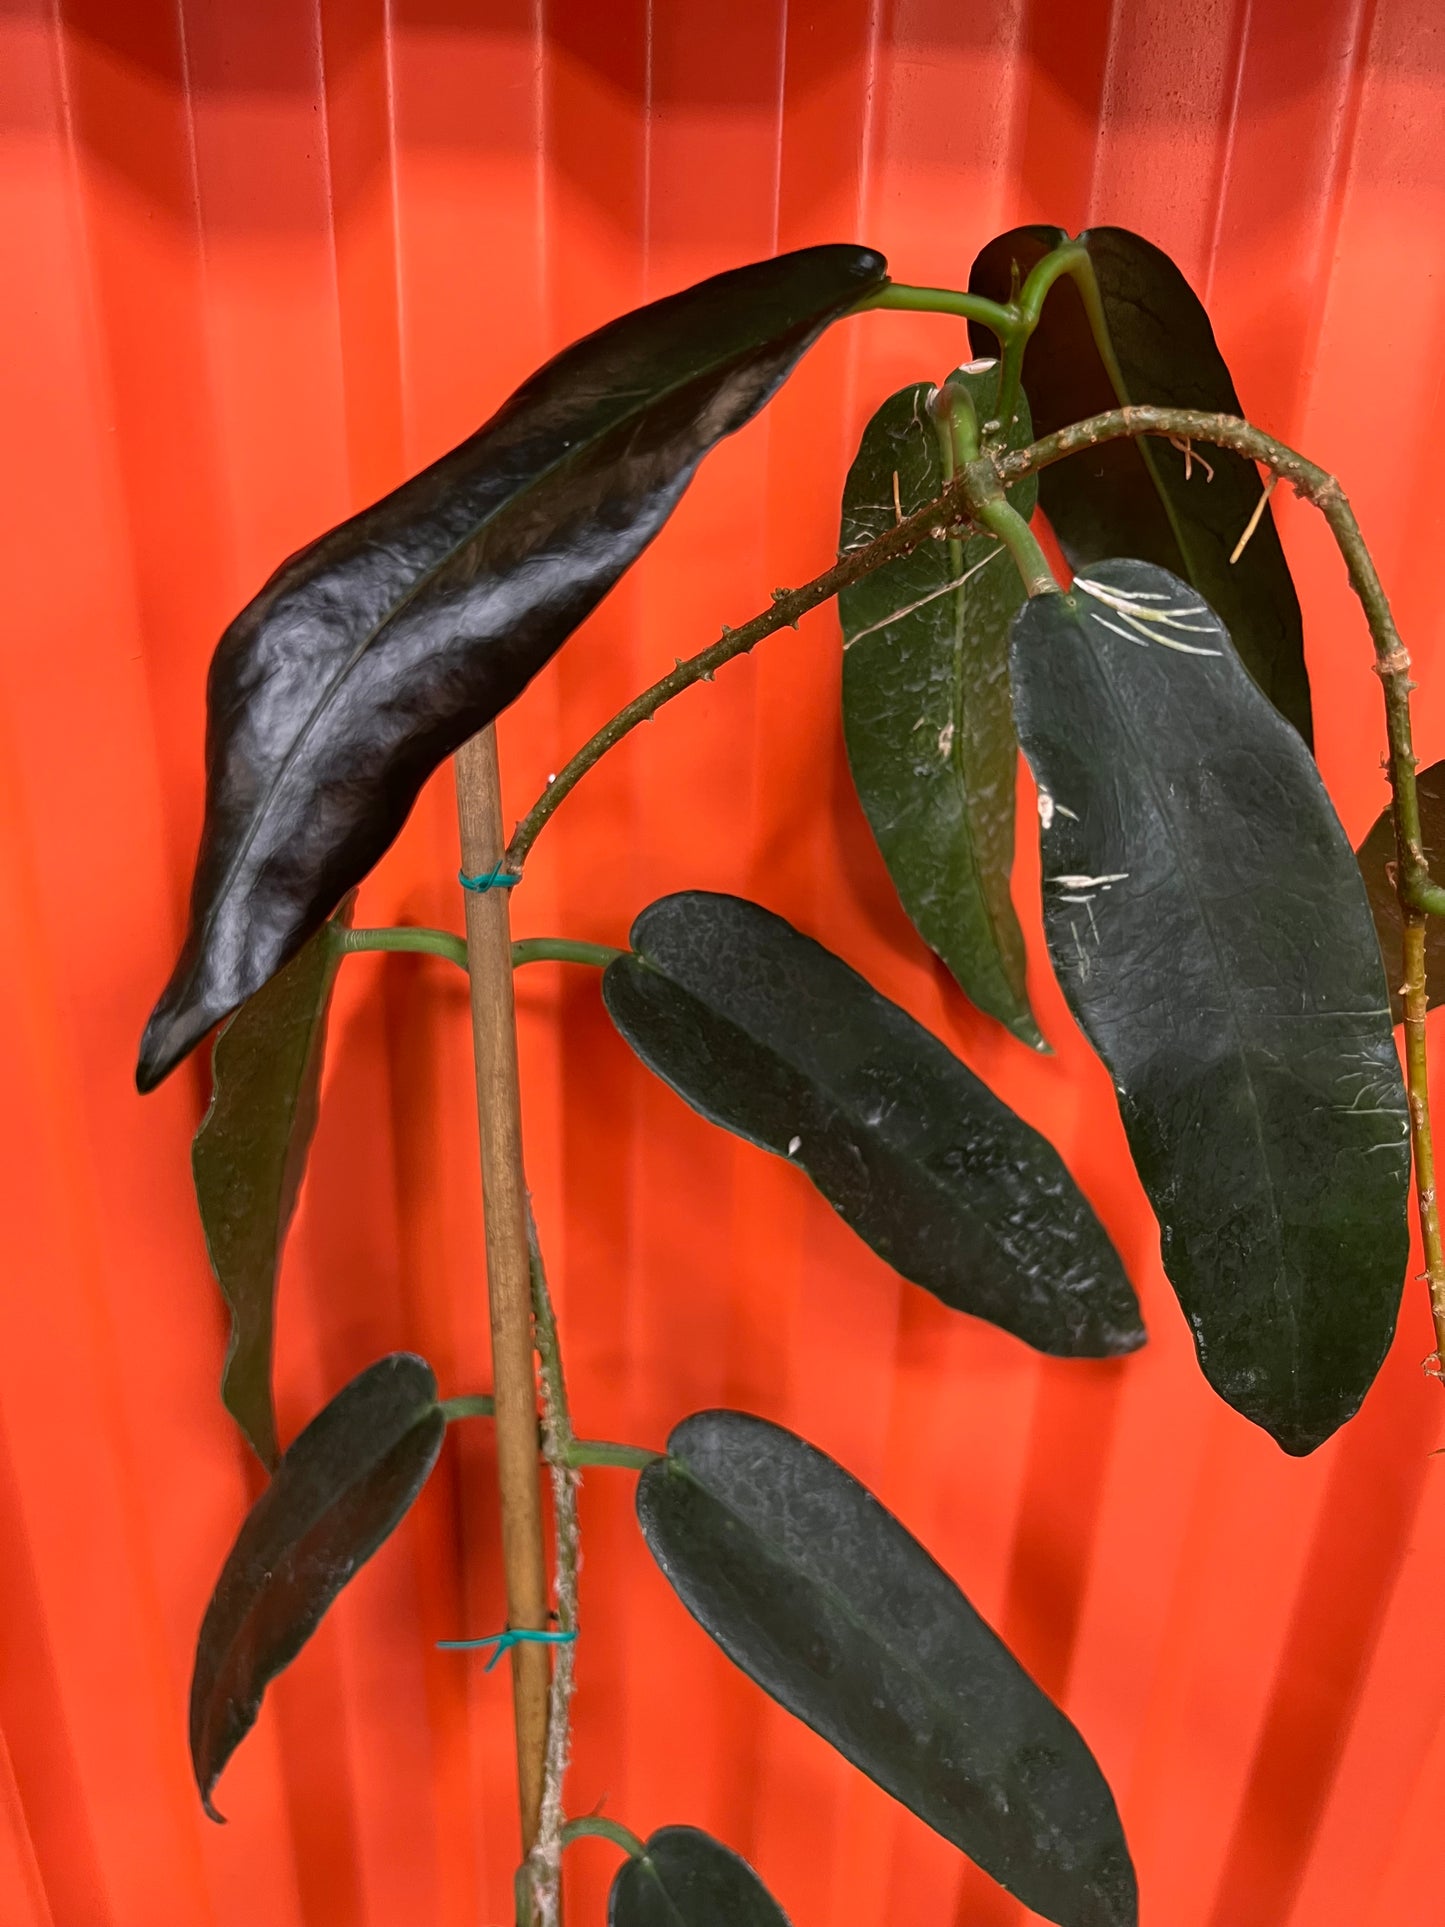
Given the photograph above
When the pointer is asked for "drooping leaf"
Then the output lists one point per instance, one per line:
(926, 708)
(340, 1489)
(1377, 855)
(1209, 927)
(378, 650)
(248, 1157)
(688, 1879)
(1147, 498)
(770, 1035)
(821, 1596)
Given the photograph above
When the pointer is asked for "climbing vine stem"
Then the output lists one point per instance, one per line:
(544, 1865)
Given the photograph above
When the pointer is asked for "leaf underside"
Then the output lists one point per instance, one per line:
(688, 1879)
(378, 650)
(1209, 927)
(770, 1035)
(1147, 498)
(340, 1490)
(248, 1158)
(831, 1606)
(926, 712)
(1377, 856)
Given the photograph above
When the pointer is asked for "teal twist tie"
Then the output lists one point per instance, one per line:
(514, 1636)
(498, 879)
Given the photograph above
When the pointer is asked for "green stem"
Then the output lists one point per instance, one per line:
(562, 950)
(441, 943)
(1003, 520)
(629, 1458)
(987, 504)
(544, 1864)
(473, 1405)
(970, 307)
(436, 943)
(1028, 308)
(593, 1826)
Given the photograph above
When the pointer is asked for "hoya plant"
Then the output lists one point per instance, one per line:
(1236, 968)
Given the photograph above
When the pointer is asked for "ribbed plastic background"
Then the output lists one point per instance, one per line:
(265, 260)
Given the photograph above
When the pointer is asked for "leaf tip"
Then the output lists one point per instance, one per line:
(169, 1036)
(1130, 1339)
(1298, 1439)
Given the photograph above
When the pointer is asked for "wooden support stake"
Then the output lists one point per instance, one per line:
(509, 1290)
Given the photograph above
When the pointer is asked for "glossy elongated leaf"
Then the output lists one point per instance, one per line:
(772, 1036)
(1147, 498)
(926, 710)
(248, 1157)
(688, 1879)
(1209, 927)
(377, 651)
(1377, 855)
(824, 1599)
(340, 1489)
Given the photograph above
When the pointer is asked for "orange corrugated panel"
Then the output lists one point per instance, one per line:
(266, 260)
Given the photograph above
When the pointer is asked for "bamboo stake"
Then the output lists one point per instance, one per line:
(509, 1286)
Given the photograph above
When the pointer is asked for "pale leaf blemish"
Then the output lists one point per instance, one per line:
(923, 601)
(1080, 952)
(1165, 642)
(1145, 624)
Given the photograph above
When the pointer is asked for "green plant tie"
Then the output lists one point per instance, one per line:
(514, 1636)
(498, 879)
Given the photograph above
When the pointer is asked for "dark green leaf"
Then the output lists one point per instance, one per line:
(1210, 930)
(688, 1879)
(772, 1036)
(1147, 498)
(926, 702)
(373, 654)
(823, 1598)
(339, 1491)
(1377, 857)
(248, 1158)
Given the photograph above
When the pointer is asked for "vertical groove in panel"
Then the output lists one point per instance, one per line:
(22, 1890)
(277, 258)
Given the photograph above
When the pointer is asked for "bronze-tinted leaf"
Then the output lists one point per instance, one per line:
(248, 1158)
(830, 1605)
(765, 1032)
(340, 1489)
(1209, 928)
(926, 710)
(378, 650)
(1377, 857)
(688, 1879)
(1147, 498)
